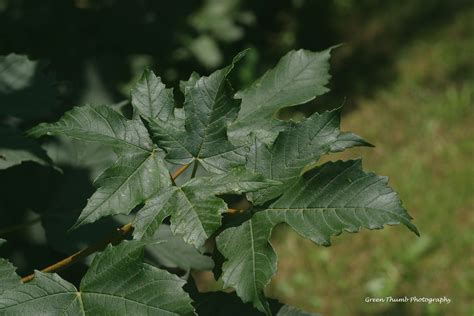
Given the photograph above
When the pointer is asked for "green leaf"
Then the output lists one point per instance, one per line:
(25, 90)
(74, 153)
(299, 77)
(15, 149)
(138, 173)
(202, 134)
(47, 294)
(235, 181)
(151, 98)
(117, 283)
(298, 146)
(336, 197)
(243, 148)
(99, 123)
(340, 196)
(185, 85)
(194, 208)
(8, 277)
(129, 182)
(172, 252)
(251, 261)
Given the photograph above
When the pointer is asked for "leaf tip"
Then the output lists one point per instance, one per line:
(412, 227)
(35, 132)
(336, 46)
(76, 225)
(240, 55)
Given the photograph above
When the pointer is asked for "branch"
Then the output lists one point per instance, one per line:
(234, 211)
(180, 170)
(120, 235)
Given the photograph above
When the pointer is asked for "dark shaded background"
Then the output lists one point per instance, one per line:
(114, 39)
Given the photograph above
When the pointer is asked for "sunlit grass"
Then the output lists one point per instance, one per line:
(422, 126)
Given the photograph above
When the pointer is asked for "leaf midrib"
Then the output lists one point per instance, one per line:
(113, 130)
(206, 128)
(192, 207)
(41, 297)
(322, 208)
(79, 130)
(78, 295)
(253, 259)
(116, 190)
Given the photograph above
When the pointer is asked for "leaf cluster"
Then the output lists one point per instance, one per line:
(182, 174)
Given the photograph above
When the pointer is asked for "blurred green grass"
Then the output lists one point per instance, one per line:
(422, 126)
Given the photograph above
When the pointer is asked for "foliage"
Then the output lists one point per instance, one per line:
(25, 93)
(239, 153)
(395, 264)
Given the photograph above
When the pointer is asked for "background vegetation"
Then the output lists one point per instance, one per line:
(405, 75)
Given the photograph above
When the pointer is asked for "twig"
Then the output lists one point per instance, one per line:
(120, 235)
(234, 211)
(122, 232)
(180, 170)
